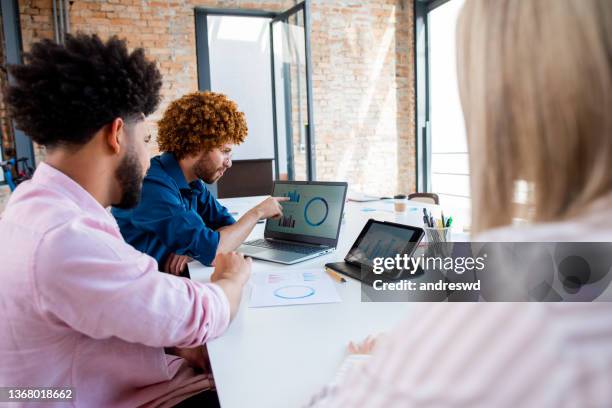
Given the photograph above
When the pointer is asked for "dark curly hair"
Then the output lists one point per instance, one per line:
(64, 94)
(200, 121)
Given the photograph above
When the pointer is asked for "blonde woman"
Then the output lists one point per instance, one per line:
(536, 89)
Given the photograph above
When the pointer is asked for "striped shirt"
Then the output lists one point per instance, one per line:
(492, 354)
(487, 355)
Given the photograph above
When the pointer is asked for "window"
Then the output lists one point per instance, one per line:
(443, 152)
(13, 142)
(261, 59)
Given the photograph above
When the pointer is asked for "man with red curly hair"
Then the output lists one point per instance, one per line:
(178, 218)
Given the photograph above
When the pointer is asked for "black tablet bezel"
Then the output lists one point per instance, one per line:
(417, 239)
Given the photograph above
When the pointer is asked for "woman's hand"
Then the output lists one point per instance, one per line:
(364, 347)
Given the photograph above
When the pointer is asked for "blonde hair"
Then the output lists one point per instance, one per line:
(535, 82)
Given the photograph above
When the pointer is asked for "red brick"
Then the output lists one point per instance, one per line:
(346, 39)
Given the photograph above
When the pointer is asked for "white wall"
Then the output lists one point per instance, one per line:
(239, 50)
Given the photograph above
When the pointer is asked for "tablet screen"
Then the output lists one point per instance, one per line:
(382, 240)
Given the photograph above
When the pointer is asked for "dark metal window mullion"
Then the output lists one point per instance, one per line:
(421, 58)
(203, 64)
(288, 123)
(274, 118)
(422, 79)
(13, 55)
(202, 51)
(310, 140)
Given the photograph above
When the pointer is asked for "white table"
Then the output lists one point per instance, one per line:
(280, 356)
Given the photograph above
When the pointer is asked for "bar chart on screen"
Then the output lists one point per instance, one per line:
(294, 196)
(286, 221)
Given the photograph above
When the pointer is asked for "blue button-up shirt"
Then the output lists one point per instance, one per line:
(173, 216)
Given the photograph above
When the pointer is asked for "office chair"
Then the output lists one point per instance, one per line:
(428, 198)
(247, 178)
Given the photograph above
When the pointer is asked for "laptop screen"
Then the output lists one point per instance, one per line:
(313, 210)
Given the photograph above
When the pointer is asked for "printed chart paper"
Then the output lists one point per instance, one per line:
(293, 288)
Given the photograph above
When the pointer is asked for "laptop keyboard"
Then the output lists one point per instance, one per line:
(282, 246)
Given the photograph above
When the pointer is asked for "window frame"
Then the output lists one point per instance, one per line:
(11, 27)
(422, 108)
(203, 67)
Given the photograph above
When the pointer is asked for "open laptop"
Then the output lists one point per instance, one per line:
(310, 224)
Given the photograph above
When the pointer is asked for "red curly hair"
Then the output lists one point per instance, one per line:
(200, 121)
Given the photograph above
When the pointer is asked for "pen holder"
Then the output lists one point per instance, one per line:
(438, 241)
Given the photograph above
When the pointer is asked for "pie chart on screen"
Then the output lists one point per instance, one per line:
(316, 211)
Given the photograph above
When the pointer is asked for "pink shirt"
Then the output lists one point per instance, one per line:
(81, 308)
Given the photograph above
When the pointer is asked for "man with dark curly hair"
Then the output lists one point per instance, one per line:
(178, 218)
(80, 307)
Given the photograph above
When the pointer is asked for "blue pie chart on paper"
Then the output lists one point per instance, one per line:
(294, 292)
(316, 211)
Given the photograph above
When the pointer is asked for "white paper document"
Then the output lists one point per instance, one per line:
(292, 288)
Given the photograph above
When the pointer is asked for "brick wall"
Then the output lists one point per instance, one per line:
(362, 73)
(364, 93)
(5, 126)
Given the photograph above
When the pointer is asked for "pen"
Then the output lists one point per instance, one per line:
(449, 222)
(425, 218)
(335, 276)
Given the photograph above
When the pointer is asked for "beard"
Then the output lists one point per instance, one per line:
(129, 175)
(207, 172)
